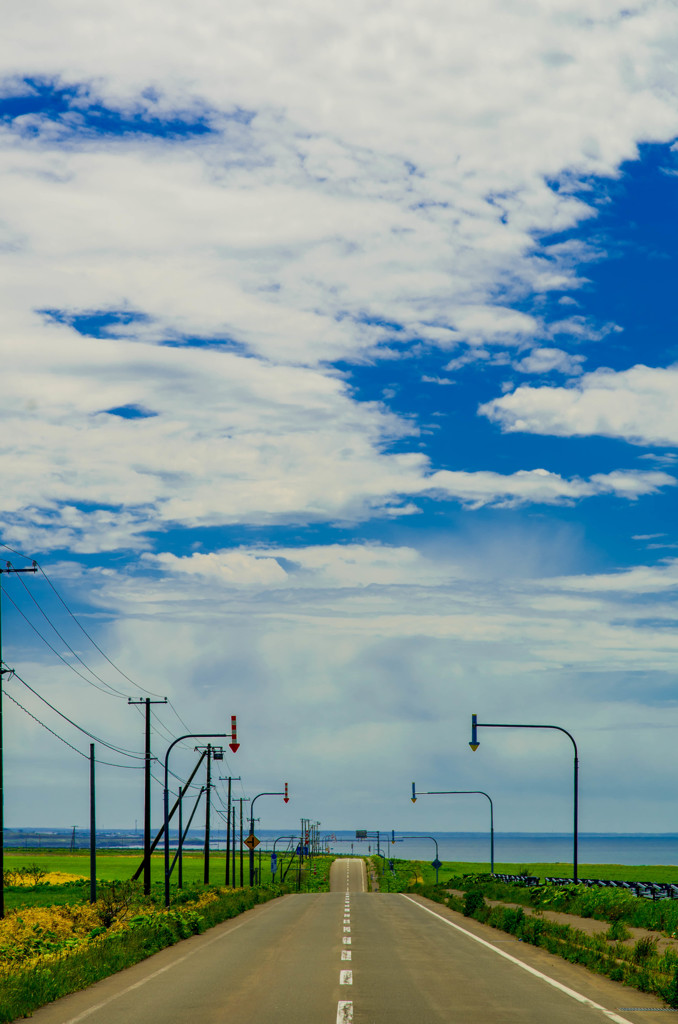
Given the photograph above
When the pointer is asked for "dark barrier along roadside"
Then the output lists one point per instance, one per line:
(646, 890)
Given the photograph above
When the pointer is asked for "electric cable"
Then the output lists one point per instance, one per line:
(91, 640)
(110, 764)
(86, 732)
(46, 641)
(31, 715)
(117, 692)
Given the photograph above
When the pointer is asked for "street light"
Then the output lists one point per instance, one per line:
(251, 835)
(475, 792)
(436, 863)
(475, 743)
(189, 736)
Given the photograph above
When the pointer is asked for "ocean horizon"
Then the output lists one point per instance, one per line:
(649, 848)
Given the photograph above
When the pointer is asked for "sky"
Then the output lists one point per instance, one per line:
(340, 368)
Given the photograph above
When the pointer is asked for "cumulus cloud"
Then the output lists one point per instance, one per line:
(638, 405)
(548, 360)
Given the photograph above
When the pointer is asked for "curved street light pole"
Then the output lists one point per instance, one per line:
(188, 736)
(475, 792)
(474, 744)
(278, 840)
(434, 840)
(285, 798)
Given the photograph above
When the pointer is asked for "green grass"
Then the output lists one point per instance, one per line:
(123, 865)
(618, 872)
(26, 988)
(114, 866)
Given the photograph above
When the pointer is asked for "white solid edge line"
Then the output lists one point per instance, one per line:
(526, 967)
(161, 970)
(344, 1012)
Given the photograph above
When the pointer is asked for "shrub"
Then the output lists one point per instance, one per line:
(644, 949)
(617, 932)
(115, 900)
(473, 902)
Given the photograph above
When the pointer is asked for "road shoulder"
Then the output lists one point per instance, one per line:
(610, 994)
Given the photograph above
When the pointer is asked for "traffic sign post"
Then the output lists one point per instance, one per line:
(251, 842)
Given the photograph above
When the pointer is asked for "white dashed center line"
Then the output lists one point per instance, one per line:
(345, 1007)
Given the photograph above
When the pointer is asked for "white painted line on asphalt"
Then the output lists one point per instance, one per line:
(149, 977)
(344, 1012)
(346, 954)
(347, 931)
(526, 967)
(346, 940)
(345, 977)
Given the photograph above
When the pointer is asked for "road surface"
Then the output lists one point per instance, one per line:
(352, 956)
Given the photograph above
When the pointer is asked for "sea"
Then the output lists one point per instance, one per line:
(522, 848)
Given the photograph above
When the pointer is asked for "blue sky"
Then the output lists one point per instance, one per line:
(339, 359)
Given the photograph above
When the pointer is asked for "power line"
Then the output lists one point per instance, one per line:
(51, 647)
(94, 643)
(66, 643)
(110, 764)
(30, 715)
(91, 640)
(86, 732)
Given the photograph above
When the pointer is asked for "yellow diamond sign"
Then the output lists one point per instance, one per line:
(252, 842)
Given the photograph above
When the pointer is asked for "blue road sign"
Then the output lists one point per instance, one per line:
(274, 863)
(436, 863)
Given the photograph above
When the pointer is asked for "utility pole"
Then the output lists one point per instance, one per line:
(8, 569)
(177, 804)
(217, 754)
(92, 829)
(233, 855)
(206, 872)
(147, 787)
(230, 832)
(242, 865)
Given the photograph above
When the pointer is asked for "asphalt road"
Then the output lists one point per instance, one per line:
(349, 955)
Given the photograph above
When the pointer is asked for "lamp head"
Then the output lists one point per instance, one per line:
(474, 733)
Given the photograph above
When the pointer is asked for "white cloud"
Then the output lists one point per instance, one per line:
(328, 565)
(547, 360)
(641, 579)
(638, 405)
(539, 485)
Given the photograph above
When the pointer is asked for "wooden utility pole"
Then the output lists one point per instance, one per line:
(4, 671)
(147, 787)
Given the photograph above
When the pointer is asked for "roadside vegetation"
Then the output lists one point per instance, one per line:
(53, 941)
(641, 964)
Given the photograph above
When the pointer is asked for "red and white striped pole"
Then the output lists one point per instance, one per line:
(234, 735)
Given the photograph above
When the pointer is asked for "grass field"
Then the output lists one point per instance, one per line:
(118, 866)
(114, 865)
(619, 872)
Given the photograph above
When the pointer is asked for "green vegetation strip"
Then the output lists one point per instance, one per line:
(641, 965)
(55, 942)
(52, 968)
